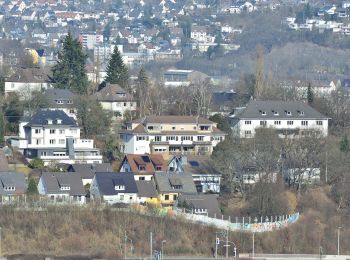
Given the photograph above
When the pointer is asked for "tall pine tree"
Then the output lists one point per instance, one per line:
(310, 95)
(69, 72)
(2, 126)
(117, 72)
(143, 93)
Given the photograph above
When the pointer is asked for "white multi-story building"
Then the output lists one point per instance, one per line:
(89, 40)
(170, 135)
(289, 118)
(54, 137)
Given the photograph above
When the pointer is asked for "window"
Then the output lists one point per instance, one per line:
(150, 127)
(74, 131)
(172, 138)
(142, 138)
(204, 127)
(263, 123)
(121, 197)
(65, 187)
(186, 138)
(141, 178)
(119, 187)
(277, 122)
(61, 131)
(288, 113)
(200, 138)
(158, 168)
(304, 123)
(173, 128)
(247, 133)
(174, 197)
(319, 123)
(38, 141)
(59, 102)
(158, 138)
(142, 167)
(248, 122)
(124, 104)
(52, 141)
(52, 131)
(43, 153)
(290, 122)
(62, 141)
(166, 197)
(69, 102)
(37, 131)
(275, 113)
(263, 113)
(71, 111)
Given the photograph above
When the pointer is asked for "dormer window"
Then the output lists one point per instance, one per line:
(301, 113)
(158, 168)
(59, 102)
(49, 121)
(69, 102)
(142, 167)
(9, 188)
(288, 113)
(263, 113)
(59, 121)
(119, 187)
(65, 187)
(275, 113)
(204, 127)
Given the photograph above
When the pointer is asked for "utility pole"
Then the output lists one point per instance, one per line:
(151, 246)
(125, 238)
(326, 166)
(227, 243)
(216, 245)
(253, 245)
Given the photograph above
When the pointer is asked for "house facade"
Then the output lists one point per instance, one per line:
(62, 188)
(288, 118)
(143, 166)
(115, 99)
(113, 188)
(26, 81)
(54, 137)
(61, 99)
(13, 186)
(170, 135)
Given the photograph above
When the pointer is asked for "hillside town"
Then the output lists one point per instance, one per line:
(197, 112)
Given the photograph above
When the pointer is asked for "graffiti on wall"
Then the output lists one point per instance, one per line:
(262, 226)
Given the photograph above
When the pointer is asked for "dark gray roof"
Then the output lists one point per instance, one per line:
(165, 181)
(53, 95)
(279, 110)
(53, 181)
(203, 201)
(4, 167)
(87, 171)
(107, 181)
(146, 189)
(12, 179)
(41, 117)
(198, 165)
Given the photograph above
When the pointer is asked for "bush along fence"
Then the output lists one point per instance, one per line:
(248, 224)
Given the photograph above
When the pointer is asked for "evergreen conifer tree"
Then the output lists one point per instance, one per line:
(344, 145)
(117, 72)
(310, 95)
(69, 72)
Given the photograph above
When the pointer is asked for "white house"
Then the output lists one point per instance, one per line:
(54, 137)
(115, 99)
(170, 134)
(25, 81)
(62, 188)
(289, 118)
(89, 40)
(112, 188)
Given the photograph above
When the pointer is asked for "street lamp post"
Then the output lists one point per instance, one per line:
(339, 240)
(162, 252)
